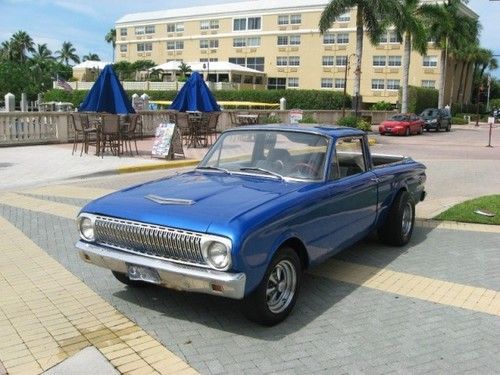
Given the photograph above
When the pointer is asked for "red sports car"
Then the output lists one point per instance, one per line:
(402, 124)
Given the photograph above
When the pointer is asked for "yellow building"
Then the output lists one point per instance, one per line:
(282, 39)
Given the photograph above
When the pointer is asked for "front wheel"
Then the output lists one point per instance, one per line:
(273, 299)
(407, 132)
(398, 227)
(448, 128)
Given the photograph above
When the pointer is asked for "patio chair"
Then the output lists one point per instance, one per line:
(110, 135)
(181, 120)
(131, 133)
(78, 129)
(212, 127)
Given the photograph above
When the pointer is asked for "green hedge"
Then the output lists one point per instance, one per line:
(353, 122)
(303, 99)
(420, 98)
(458, 121)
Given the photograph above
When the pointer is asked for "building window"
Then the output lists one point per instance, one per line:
(173, 45)
(209, 43)
(393, 84)
(274, 83)
(239, 42)
(283, 20)
(281, 61)
(294, 40)
(294, 61)
(326, 83)
(339, 83)
(342, 38)
(139, 30)
(394, 61)
(250, 23)
(328, 61)
(149, 29)
(256, 63)
(377, 84)
(329, 38)
(293, 82)
(175, 27)
(393, 37)
(253, 41)
(428, 83)
(123, 48)
(295, 19)
(378, 61)
(346, 17)
(123, 32)
(144, 47)
(209, 25)
(282, 40)
(430, 61)
(341, 60)
(212, 59)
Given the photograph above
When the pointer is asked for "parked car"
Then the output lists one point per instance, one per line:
(265, 203)
(402, 124)
(435, 118)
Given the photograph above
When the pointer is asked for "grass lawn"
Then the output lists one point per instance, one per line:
(464, 212)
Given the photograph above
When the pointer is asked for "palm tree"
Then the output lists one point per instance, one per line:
(22, 43)
(370, 15)
(184, 69)
(42, 53)
(111, 38)
(67, 53)
(7, 51)
(451, 30)
(91, 57)
(410, 23)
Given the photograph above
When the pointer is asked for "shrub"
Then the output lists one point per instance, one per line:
(382, 106)
(272, 118)
(420, 98)
(353, 122)
(308, 119)
(458, 121)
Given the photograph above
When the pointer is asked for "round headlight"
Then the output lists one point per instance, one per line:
(218, 255)
(434, 121)
(86, 228)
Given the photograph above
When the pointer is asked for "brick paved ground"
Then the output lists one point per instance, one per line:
(342, 323)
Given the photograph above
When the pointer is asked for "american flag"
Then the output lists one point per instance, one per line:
(65, 85)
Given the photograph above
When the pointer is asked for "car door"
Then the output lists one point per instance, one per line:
(352, 194)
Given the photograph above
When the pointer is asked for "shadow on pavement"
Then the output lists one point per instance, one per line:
(317, 295)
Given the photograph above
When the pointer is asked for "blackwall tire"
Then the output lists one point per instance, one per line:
(274, 298)
(398, 227)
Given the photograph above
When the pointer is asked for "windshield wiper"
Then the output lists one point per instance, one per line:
(256, 169)
(212, 168)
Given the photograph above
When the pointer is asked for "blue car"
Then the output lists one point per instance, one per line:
(265, 203)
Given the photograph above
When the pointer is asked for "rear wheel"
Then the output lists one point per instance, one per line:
(273, 299)
(398, 227)
(407, 131)
(420, 130)
(448, 128)
(125, 280)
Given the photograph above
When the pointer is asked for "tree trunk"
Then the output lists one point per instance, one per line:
(467, 73)
(443, 79)
(461, 84)
(406, 73)
(455, 66)
(359, 52)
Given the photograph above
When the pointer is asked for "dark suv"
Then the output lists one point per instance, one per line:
(435, 118)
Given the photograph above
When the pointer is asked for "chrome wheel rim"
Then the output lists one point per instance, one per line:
(281, 286)
(407, 220)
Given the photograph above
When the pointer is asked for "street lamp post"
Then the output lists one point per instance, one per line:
(479, 91)
(347, 63)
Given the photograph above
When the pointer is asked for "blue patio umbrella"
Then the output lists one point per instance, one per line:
(107, 95)
(195, 96)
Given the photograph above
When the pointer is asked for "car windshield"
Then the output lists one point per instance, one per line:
(428, 113)
(399, 118)
(278, 154)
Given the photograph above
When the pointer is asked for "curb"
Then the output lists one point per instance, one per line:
(456, 225)
(151, 167)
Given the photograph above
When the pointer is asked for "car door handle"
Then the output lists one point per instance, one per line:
(375, 179)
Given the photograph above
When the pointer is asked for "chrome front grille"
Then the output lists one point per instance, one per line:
(169, 243)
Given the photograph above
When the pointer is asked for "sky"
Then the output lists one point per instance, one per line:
(85, 23)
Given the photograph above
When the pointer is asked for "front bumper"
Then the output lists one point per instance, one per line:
(431, 125)
(172, 275)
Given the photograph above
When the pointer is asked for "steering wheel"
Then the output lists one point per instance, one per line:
(304, 169)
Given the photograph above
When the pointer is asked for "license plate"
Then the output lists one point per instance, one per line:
(142, 274)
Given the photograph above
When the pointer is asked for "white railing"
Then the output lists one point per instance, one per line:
(130, 85)
(32, 127)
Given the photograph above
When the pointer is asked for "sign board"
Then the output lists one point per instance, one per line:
(491, 120)
(168, 141)
(295, 116)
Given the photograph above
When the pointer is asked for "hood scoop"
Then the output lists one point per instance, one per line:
(165, 200)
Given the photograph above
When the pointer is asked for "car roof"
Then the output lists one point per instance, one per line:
(328, 130)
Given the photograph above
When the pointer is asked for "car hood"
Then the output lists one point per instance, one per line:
(390, 124)
(193, 200)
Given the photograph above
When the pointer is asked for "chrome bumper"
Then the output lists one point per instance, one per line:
(172, 275)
